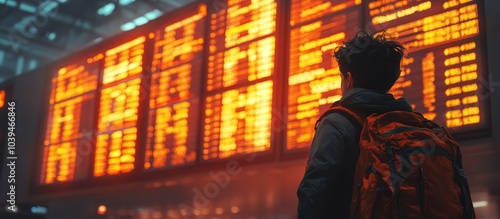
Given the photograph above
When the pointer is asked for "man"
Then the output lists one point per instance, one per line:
(369, 65)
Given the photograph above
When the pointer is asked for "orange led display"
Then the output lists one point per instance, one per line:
(242, 21)
(72, 81)
(233, 58)
(314, 76)
(238, 121)
(240, 66)
(70, 123)
(175, 89)
(306, 10)
(70, 119)
(124, 61)
(119, 103)
(115, 148)
(172, 135)
(59, 162)
(441, 71)
(118, 109)
(2, 98)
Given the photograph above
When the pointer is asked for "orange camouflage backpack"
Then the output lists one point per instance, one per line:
(408, 167)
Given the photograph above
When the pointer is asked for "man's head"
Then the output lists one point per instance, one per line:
(370, 61)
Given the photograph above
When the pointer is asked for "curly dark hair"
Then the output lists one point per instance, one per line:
(373, 59)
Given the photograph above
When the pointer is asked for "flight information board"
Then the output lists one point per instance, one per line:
(314, 76)
(69, 129)
(175, 92)
(118, 109)
(242, 51)
(442, 69)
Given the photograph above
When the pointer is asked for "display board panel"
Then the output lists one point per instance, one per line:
(118, 109)
(442, 70)
(240, 68)
(174, 117)
(68, 134)
(238, 121)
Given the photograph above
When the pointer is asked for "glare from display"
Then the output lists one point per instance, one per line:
(118, 109)
(175, 88)
(70, 123)
(238, 121)
(314, 77)
(442, 68)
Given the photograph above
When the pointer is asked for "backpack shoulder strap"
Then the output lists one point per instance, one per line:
(340, 109)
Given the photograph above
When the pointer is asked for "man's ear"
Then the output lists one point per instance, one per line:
(349, 82)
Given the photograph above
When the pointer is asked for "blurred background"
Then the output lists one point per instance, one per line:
(163, 109)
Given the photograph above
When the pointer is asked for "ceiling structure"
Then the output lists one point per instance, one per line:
(35, 32)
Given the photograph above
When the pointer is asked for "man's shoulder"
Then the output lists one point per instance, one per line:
(339, 120)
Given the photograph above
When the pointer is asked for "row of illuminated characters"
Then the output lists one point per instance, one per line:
(212, 98)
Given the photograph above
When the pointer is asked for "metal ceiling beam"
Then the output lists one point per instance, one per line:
(35, 50)
(174, 3)
(6, 14)
(9, 33)
(64, 19)
(155, 5)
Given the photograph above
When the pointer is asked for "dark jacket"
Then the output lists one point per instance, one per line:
(326, 189)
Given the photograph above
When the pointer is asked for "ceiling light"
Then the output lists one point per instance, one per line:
(153, 14)
(11, 3)
(27, 8)
(51, 36)
(128, 26)
(140, 21)
(106, 9)
(125, 2)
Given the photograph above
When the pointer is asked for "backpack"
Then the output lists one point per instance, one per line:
(408, 167)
